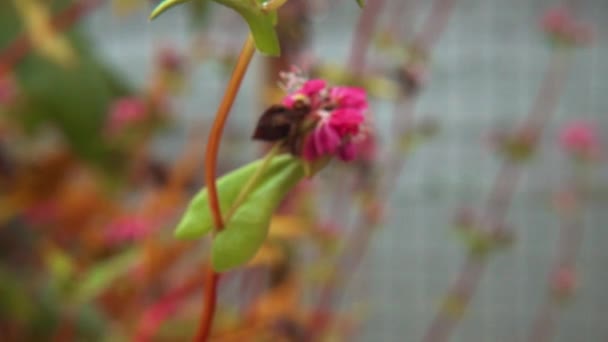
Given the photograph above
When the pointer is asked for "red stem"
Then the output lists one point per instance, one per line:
(215, 135)
(209, 302)
(211, 153)
(21, 46)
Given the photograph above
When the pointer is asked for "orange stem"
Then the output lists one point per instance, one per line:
(209, 301)
(213, 145)
(215, 136)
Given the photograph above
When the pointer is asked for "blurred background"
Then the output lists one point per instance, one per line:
(103, 124)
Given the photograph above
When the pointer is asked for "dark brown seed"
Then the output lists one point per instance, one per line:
(277, 122)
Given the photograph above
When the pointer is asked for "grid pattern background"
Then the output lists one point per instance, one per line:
(485, 71)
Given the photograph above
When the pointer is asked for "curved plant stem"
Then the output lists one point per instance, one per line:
(21, 46)
(213, 144)
(215, 136)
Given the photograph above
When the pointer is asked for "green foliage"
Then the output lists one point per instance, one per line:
(261, 22)
(165, 5)
(248, 228)
(98, 278)
(197, 220)
(361, 3)
(73, 100)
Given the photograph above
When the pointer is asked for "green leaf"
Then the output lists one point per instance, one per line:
(361, 3)
(101, 276)
(197, 220)
(164, 6)
(248, 227)
(261, 24)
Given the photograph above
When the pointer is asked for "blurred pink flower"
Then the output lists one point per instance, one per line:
(125, 112)
(169, 59)
(559, 23)
(127, 228)
(339, 113)
(310, 92)
(8, 91)
(563, 281)
(41, 213)
(580, 139)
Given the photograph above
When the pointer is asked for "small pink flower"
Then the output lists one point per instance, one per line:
(311, 91)
(339, 115)
(8, 91)
(125, 112)
(169, 59)
(127, 228)
(580, 139)
(560, 24)
(563, 281)
(349, 97)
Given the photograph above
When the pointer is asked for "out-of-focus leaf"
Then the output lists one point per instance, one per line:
(361, 3)
(246, 231)
(37, 19)
(75, 101)
(197, 220)
(15, 302)
(126, 7)
(59, 263)
(102, 275)
(164, 6)
(288, 227)
(261, 23)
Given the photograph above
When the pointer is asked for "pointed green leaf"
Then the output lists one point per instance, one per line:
(248, 227)
(197, 220)
(361, 3)
(164, 6)
(102, 275)
(261, 24)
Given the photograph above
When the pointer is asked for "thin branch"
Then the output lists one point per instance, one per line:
(458, 296)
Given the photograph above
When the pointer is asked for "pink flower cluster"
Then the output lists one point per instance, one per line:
(127, 228)
(580, 139)
(560, 24)
(125, 112)
(339, 115)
